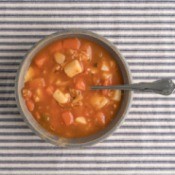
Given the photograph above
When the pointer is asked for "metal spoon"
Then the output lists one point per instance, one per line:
(162, 86)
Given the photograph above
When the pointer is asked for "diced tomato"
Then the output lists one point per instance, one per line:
(36, 83)
(72, 43)
(100, 118)
(80, 84)
(50, 90)
(30, 105)
(56, 46)
(68, 118)
(40, 60)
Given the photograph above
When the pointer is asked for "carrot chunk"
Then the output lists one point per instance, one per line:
(37, 115)
(56, 46)
(40, 60)
(68, 118)
(36, 83)
(80, 84)
(30, 105)
(72, 43)
(100, 118)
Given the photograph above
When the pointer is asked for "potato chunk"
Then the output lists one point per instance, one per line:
(61, 97)
(116, 95)
(59, 57)
(29, 75)
(81, 120)
(73, 68)
(99, 101)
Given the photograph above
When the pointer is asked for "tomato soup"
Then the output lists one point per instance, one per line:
(57, 87)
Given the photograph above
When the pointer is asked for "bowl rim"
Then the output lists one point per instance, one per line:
(62, 141)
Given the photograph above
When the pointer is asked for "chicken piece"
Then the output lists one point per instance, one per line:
(116, 95)
(98, 101)
(29, 75)
(59, 58)
(81, 120)
(61, 97)
(74, 92)
(77, 100)
(73, 68)
(77, 97)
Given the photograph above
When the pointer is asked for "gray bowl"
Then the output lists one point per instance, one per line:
(77, 142)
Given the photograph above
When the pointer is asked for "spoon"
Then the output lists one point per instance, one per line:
(162, 86)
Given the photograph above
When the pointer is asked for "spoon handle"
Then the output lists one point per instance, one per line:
(162, 86)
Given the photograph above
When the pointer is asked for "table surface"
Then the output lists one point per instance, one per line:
(144, 31)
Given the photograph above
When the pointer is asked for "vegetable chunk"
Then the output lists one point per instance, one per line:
(59, 57)
(29, 75)
(80, 84)
(99, 101)
(88, 49)
(71, 43)
(56, 46)
(61, 97)
(40, 60)
(30, 105)
(73, 68)
(81, 120)
(68, 118)
(100, 118)
(37, 82)
(116, 95)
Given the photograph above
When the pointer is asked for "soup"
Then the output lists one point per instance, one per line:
(57, 87)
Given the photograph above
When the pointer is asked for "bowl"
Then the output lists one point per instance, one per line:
(76, 142)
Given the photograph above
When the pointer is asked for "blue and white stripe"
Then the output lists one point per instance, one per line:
(145, 33)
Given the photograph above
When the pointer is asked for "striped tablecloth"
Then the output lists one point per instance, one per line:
(144, 31)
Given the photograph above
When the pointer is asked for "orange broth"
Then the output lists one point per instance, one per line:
(57, 88)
